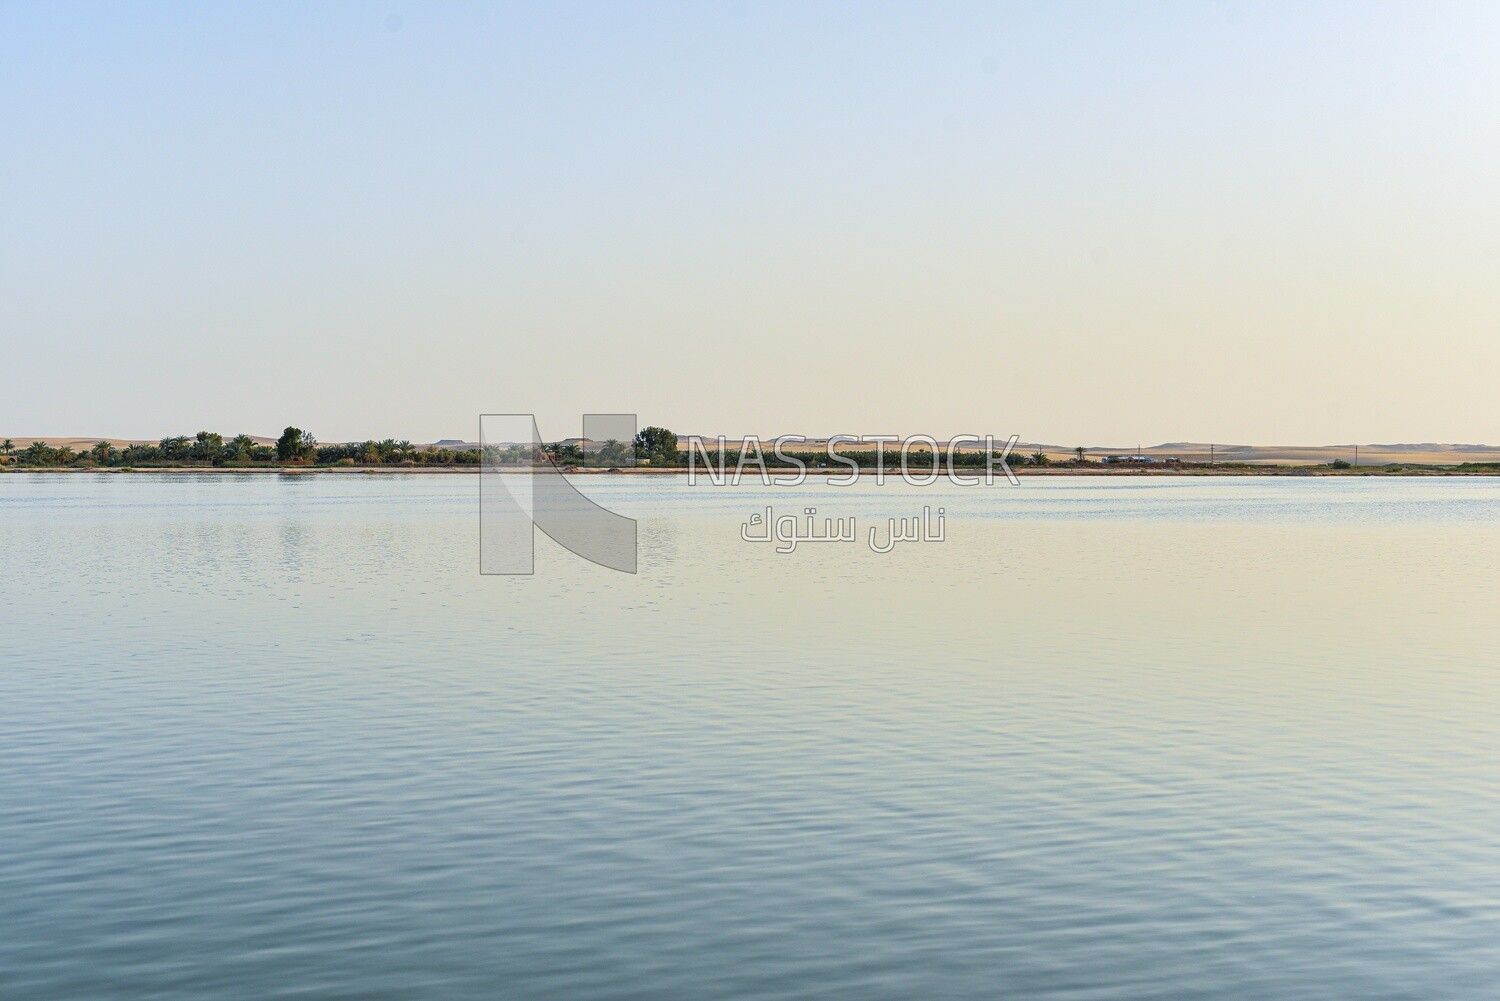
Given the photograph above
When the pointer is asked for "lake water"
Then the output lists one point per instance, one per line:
(274, 737)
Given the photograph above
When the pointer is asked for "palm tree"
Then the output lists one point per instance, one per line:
(8, 447)
(208, 445)
(102, 450)
(613, 453)
(239, 447)
(1079, 452)
(175, 447)
(1040, 458)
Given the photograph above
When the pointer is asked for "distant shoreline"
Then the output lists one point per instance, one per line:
(966, 472)
(252, 453)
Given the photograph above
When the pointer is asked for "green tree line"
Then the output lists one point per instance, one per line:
(208, 448)
(654, 446)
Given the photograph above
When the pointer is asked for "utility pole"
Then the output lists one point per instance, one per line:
(1356, 455)
(1210, 453)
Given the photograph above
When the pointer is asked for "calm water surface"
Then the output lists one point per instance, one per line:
(273, 737)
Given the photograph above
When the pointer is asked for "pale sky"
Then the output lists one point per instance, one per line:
(1080, 223)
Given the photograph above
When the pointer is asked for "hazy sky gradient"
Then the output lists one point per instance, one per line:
(1085, 223)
